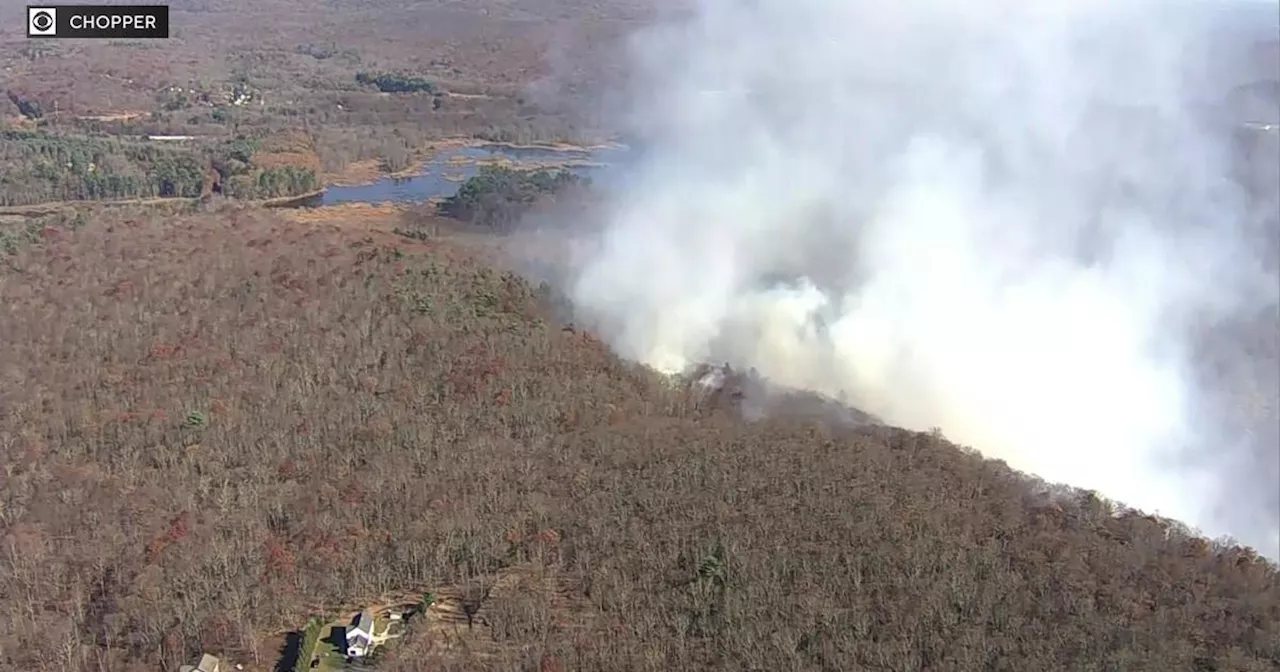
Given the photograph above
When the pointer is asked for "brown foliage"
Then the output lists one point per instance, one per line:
(217, 424)
(503, 77)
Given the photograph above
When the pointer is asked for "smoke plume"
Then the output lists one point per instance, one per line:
(1008, 220)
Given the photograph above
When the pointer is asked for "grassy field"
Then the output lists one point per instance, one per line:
(329, 650)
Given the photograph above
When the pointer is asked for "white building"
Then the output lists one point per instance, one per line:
(359, 635)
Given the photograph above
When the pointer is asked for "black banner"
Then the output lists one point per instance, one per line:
(99, 21)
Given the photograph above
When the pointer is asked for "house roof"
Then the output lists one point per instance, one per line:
(208, 663)
(363, 623)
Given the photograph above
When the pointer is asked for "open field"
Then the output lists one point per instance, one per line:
(307, 415)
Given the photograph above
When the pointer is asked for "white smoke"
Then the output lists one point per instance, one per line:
(995, 217)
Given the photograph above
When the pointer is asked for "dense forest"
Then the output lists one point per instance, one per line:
(223, 423)
(395, 83)
(498, 195)
(219, 426)
(37, 167)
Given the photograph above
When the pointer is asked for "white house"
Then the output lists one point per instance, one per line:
(360, 635)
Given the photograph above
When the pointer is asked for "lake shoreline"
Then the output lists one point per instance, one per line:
(435, 164)
(451, 163)
(363, 177)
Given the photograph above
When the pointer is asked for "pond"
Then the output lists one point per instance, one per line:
(444, 173)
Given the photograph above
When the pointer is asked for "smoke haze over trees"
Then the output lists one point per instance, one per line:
(1012, 221)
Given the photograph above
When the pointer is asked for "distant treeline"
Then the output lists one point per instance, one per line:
(39, 168)
(393, 83)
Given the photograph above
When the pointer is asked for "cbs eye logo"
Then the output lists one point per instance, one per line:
(42, 21)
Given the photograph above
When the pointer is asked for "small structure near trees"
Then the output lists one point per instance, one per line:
(207, 663)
